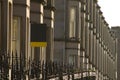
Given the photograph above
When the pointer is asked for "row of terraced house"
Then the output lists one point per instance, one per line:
(76, 33)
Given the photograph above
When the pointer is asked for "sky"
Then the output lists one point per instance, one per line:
(111, 11)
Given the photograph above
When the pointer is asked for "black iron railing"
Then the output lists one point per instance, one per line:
(36, 69)
(49, 70)
(16, 67)
(4, 65)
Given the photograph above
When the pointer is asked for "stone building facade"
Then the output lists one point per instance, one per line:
(16, 17)
(83, 38)
(78, 34)
(116, 30)
(67, 43)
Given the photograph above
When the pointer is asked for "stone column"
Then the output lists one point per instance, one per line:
(91, 32)
(116, 59)
(95, 31)
(97, 20)
(91, 10)
(10, 33)
(94, 51)
(102, 45)
(79, 31)
(94, 39)
(83, 27)
(91, 43)
(97, 54)
(6, 12)
(100, 42)
(97, 39)
(87, 38)
(49, 20)
(106, 62)
(82, 47)
(6, 23)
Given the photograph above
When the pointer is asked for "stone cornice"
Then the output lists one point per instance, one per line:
(76, 0)
(39, 1)
(20, 4)
(95, 1)
(100, 12)
(82, 1)
(103, 17)
(98, 6)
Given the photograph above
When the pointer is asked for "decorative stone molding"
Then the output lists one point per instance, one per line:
(39, 1)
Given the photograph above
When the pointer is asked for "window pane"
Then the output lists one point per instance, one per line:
(71, 60)
(15, 24)
(72, 23)
(16, 34)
